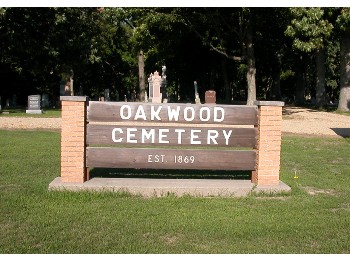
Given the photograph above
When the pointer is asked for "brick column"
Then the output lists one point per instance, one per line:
(269, 143)
(73, 122)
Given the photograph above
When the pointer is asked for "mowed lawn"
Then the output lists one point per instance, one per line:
(313, 218)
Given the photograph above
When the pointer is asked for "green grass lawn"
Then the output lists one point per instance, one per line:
(313, 218)
(20, 112)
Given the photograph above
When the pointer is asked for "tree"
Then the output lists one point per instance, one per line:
(228, 32)
(40, 45)
(309, 30)
(141, 76)
(344, 24)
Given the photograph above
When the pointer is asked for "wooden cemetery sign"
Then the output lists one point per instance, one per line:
(170, 136)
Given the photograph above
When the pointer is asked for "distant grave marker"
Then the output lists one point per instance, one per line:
(210, 97)
(196, 95)
(107, 97)
(34, 105)
(154, 85)
(45, 102)
(157, 87)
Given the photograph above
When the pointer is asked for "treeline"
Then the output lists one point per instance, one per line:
(299, 55)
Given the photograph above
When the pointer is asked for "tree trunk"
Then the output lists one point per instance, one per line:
(141, 63)
(344, 97)
(226, 80)
(251, 73)
(66, 84)
(300, 84)
(276, 85)
(276, 79)
(320, 78)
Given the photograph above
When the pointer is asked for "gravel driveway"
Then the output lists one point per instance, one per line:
(296, 120)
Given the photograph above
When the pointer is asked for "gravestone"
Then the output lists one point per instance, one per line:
(62, 88)
(34, 105)
(107, 97)
(146, 96)
(45, 100)
(116, 95)
(14, 101)
(150, 87)
(210, 97)
(196, 95)
(163, 85)
(155, 83)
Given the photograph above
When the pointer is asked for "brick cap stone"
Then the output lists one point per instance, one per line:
(269, 103)
(74, 98)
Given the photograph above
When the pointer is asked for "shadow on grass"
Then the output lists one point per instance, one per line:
(344, 132)
(169, 174)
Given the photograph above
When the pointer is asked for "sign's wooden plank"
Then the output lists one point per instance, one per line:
(170, 158)
(172, 113)
(171, 136)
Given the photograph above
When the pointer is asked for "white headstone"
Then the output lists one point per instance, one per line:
(156, 81)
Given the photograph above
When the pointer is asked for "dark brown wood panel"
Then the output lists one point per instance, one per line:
(172, 112)
(139, 158)
(171, 136)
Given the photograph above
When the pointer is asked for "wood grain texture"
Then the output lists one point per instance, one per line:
(174, 136)
(187, 113)
(139, 158)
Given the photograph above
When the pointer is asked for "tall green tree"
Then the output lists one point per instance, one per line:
(309, 30)
(230, 33)
(46, 43)
(343, 21)
(272, 51)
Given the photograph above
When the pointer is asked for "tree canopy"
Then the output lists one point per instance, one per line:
(299, 55)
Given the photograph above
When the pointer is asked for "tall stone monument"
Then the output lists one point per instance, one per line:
(155, 95)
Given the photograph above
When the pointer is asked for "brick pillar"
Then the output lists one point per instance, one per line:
(269, 143)
(73, 168)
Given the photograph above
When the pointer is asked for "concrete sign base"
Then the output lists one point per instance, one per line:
(177, 187)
